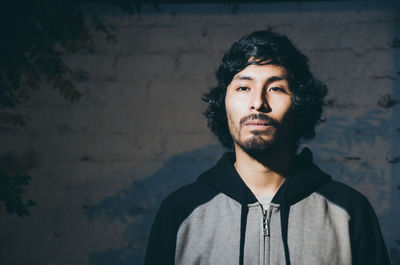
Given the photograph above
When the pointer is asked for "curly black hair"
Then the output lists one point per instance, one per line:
(268, 47)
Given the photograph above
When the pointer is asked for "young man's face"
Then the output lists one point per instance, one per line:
(258, 102)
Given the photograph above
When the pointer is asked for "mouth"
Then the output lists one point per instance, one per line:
(257, 125)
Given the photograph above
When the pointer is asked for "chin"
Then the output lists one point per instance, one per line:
(259, 138)
(257, 146)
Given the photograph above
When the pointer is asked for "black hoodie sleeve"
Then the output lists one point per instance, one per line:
(368, 246)
(162, 240)
(161, 246)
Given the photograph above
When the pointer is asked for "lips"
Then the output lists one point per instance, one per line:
(257, 123)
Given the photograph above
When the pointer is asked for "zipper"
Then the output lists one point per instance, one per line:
(266, 220)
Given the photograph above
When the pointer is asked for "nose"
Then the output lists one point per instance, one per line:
(260, 101)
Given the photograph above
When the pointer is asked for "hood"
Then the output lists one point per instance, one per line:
(224, 177)
(304, 179)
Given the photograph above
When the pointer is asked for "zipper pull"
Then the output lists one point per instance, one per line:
(266, 220)
(265, 223)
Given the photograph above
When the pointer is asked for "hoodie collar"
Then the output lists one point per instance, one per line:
(224, 177)
(305, 178)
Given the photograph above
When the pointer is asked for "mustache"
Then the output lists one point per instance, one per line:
(259, 116)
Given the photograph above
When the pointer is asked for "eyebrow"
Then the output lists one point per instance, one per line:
(269, 80)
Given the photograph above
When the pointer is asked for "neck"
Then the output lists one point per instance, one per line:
(264, 175)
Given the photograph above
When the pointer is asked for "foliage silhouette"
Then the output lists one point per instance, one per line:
(35, 36)
(11, 194)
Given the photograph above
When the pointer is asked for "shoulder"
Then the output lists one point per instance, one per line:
(180, 203)
(367, 244)
(346, 197)
(341, 193)
(173, 210)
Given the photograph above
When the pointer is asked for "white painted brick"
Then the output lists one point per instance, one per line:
(200, 65)
(128, 40)
(133, 94)
(146, 20)
(98, 66)
(142, 105)
(131, 68)
(331, 63)
(79, 120)
(168, 39)
(223, 37)
(361, 92)
(176, 91)
(369, 35)
(378, 63)
(47, 96)
(354, 79)
(62, 147)
(182, 142)
(131, 40)
(17, 141)
(353, 131)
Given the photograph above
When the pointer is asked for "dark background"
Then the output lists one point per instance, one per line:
(101, 113)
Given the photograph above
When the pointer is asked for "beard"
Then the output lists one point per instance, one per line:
(257, 146)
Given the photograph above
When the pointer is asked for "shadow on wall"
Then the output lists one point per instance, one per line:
(358, 153)
(342, 141)
(138, 204)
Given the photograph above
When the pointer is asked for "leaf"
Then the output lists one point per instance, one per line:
(37, 36)
(22, 179)
(67, 89)
(30, 203)
(11, 194)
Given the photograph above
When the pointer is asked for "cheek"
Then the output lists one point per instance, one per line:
(235, 103)
(232, 108)
(282, 105)
(230, 115)
(234, 111)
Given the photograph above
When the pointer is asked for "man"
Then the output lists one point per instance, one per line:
(262, 203)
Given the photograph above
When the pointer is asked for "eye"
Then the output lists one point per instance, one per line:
(275, 88)
(242, 88)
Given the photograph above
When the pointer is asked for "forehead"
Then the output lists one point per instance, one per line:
(260, 72)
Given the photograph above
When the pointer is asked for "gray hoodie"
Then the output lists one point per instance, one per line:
(311, 220)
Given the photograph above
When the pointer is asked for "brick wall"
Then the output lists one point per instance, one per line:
(101, 166)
